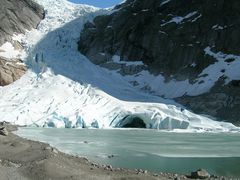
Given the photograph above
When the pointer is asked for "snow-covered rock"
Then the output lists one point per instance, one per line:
(187, 49)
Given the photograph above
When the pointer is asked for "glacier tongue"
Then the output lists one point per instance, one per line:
(64, 89)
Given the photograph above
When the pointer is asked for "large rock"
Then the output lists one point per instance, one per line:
(170, 38)
(17, 16)
(10, 70)
(200, 174)
(3, 131)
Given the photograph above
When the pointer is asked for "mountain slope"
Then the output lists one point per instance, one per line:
(189, 49)
(16, 16)
(63, 88)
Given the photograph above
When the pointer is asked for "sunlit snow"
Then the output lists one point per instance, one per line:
(63, 89)
(180, 19)
(8, 51)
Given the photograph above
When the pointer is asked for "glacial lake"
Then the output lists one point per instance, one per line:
(153, 150)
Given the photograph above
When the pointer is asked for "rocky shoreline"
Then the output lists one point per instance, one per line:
(22, 159)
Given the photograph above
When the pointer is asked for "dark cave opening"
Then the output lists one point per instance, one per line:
(133, 122)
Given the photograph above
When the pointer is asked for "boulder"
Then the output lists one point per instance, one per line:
(3, 131)
(200, 174)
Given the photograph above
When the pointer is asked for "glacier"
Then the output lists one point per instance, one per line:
(63, 89)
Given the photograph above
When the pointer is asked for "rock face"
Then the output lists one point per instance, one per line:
(18, 15)
(10, 71)
(223, 101)
(169, 37)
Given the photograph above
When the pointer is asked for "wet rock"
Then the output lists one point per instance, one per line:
(94, 165)
(111, 156)
(3, 131)
(200, 174)
(108, 167)
(138, 171)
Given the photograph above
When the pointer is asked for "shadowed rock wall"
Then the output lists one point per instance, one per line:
(169, 37)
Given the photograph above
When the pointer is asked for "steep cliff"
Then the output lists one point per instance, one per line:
(179, 40)
(16, 16)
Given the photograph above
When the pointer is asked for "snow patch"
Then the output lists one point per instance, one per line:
(117, 59)
(8, 51)
(218, 27)
(180, 19)
(164, 2)
(193, 64)
(227, 65)
(196, 18)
